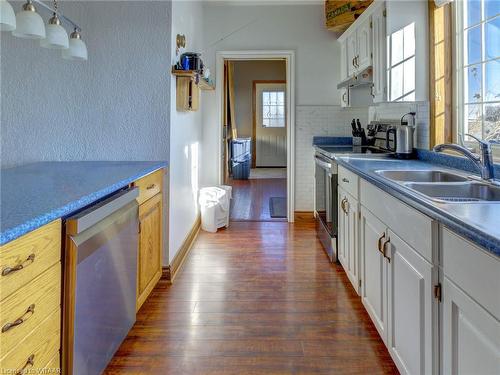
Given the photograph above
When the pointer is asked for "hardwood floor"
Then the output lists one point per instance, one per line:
(256, 298)
(251, 198)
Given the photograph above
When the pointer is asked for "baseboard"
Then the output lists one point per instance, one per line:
(169, 272)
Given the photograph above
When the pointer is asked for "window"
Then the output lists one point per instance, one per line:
(273, 109)
(478, 68)
(401, 64)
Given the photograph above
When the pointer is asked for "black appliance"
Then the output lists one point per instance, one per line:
(191, 61)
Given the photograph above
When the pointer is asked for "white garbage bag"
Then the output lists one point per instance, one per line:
(214, 206)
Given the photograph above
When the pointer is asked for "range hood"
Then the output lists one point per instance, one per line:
(364, 78)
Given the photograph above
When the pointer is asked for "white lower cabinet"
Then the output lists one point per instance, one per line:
(470, 306)
(373, 271)
(348, 237)
(410, 312)
(471, 335)
(398, 292)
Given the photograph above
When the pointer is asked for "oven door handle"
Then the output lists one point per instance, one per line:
(323, 164)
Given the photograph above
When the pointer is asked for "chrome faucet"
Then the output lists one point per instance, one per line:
(484, 162)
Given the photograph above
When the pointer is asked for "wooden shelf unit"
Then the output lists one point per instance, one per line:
(189, 84)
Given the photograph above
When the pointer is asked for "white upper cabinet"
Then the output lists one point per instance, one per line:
(364, 45)
(343, 61)
(379, 90)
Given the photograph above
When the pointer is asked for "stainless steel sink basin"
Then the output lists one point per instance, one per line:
(459, 193)
(421, 176)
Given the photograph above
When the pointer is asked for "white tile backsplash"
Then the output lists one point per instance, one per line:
(333, 121)
(394, 111)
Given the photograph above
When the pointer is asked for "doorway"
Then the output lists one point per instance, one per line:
(255, 125)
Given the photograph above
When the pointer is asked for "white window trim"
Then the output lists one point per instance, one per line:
(458, 74)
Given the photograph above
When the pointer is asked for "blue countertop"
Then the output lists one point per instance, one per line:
(479, 222)
(36, 194)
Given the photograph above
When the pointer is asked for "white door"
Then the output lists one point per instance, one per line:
(344, 74)
(342, 228)
(471, 335)
(364, 43)
(352, 242)
(270, 125)
(352, 51)
(410, 306)
(373, 271)
(379, 51)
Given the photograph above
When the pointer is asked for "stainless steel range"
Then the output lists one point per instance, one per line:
(326, 191)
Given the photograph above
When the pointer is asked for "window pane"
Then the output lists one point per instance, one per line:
(492, 80)
(492, 38)
(397, 82)
(397, 47)
(265, 98)
(473, 12)
(473, 45)
(473, 121)
(491, 8)
(409, 40)
(474, 79)
(492, 122)
(281, 98)
(409, 75)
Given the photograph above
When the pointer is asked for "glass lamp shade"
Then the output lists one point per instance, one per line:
(29, 25)
(77, 49)
(57, 37)
(7, 17)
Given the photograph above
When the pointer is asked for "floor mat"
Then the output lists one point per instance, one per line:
(277, 207)
(256, 173)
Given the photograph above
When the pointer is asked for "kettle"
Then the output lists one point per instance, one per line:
(403, 136)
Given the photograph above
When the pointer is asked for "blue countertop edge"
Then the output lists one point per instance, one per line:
(483, 239)
(331, 141)
(61, 212)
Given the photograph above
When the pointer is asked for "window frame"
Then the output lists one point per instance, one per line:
(459, 66)
(273, 105)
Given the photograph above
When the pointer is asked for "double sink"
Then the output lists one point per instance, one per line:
(444, 187)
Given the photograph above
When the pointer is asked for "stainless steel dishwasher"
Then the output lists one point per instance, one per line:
(100, 265)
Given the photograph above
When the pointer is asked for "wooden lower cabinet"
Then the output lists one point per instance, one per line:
(149, 264)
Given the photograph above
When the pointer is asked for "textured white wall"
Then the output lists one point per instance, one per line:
(115, 106)
(185, 133)
(298, 27)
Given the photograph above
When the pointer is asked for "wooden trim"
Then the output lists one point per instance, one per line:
(254, 114)
(304, 216)
(171, 271)
(440, 74)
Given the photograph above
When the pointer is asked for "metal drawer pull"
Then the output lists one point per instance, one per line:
(383, 249)
(30, 362)
(345, 180)
(149, 187)
(379, 244)
(27, 262)
(21, 320)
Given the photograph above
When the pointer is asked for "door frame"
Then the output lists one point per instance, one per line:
(289, 57)
(254, 115)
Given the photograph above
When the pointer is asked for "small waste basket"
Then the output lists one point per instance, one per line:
(214, 206)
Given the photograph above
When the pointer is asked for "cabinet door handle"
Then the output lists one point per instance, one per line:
(384, 249)
(342, 204)
(354, 61)
(29, 312)
(346, 206)
(8, 270)
(343, 97)
(30, 362)
(379, 243)
(149, 187)
(371, 91)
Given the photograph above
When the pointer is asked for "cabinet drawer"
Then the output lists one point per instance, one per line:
(474, 270)
(349, 182)
(27, 257)
(415, 228)
(149, 186)
(37, 349)
(29, 306)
